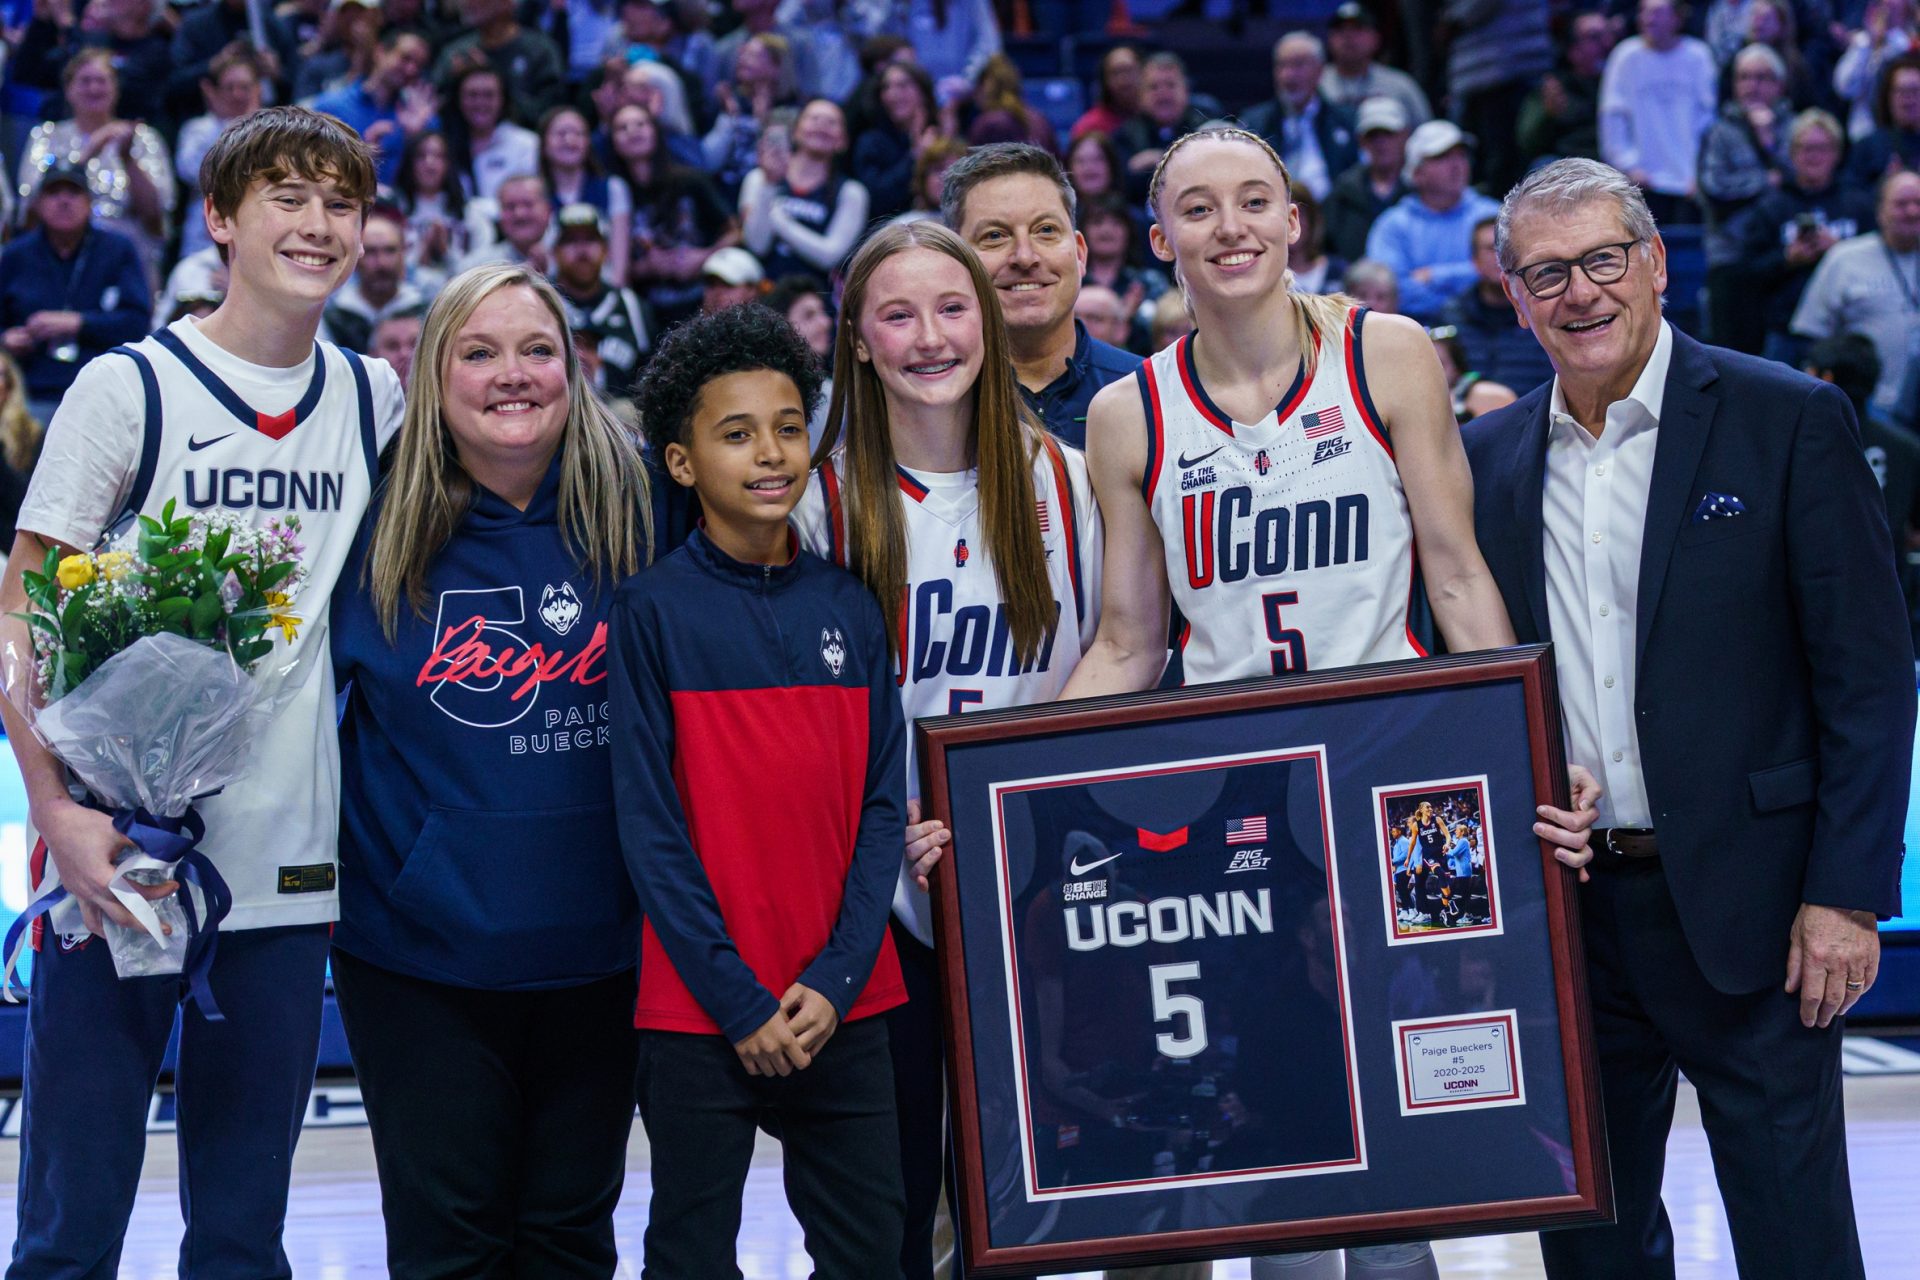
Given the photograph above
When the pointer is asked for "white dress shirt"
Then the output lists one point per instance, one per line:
(1594, 511)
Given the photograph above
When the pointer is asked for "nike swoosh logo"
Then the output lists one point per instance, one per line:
(197, 445)
(1185, 461)
(1079, 870)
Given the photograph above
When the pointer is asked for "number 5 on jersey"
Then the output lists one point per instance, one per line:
(1167, 1006)
(1290, 646)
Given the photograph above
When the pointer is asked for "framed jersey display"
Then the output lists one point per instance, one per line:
(1184, 1018)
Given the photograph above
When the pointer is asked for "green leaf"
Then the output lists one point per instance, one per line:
(228, 563)
(76, 610)
(172, 607)
(206, 611)
(217, 543)
(51, 569)
(274, 574)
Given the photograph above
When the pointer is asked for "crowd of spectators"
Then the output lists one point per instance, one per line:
(660, 158)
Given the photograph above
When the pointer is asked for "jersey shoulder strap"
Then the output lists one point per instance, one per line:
(836, 513)
(1069, 518)
(149, 437)
(369, 433)
(1149, 385)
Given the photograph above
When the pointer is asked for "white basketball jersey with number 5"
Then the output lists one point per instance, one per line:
(1288, 543)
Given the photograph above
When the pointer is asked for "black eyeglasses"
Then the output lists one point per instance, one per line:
(1604, 265)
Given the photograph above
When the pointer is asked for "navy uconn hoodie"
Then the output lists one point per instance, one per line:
(477, 840)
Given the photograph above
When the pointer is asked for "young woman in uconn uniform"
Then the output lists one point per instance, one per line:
(978, 534)
(1270, 473)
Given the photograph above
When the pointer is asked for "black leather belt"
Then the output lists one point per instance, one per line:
(1624, 842)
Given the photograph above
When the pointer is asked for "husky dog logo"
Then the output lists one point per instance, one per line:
(559, 607)
(833, 650)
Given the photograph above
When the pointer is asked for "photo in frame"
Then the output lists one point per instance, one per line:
(1180, 1024)
(1436, 860)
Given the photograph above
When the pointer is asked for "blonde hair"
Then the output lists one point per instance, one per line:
(20, 431)
(606, 517)
(1006, 439)
(1314, 314)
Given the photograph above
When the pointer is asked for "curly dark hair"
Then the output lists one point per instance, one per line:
(739, 339)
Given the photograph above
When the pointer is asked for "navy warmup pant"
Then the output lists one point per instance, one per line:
(94, 1049)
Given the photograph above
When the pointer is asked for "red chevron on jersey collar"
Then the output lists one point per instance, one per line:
(274, 426)
(1158, 842)
(1190, 379)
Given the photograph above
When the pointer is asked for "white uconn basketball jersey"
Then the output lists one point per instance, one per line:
(955, 649)
(1288, 543)
(274, 833)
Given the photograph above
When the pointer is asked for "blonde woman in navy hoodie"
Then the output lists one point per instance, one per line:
(484, 962)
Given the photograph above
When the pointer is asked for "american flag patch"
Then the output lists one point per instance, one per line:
(1323, 423)
(1046, 521)
(1247, 830)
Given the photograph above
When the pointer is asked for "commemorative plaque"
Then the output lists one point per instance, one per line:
(1262, 967)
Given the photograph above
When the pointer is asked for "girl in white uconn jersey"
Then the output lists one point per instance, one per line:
(976, 531)
(1273, 472)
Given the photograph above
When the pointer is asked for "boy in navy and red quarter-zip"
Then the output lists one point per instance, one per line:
(758, 748)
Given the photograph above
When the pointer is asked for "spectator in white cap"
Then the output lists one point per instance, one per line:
(1427, 238)
(1373, 185)
(730, 276)
(1353, 76)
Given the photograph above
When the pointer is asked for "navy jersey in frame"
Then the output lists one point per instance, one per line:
(1178, 934)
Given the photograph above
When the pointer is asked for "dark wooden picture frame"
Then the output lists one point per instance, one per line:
(1534, 737)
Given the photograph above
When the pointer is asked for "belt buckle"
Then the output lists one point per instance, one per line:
(1618, 847)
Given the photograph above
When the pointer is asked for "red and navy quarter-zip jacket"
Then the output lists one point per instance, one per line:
(759, 784)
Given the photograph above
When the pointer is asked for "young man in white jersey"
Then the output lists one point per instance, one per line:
(244, 413)
(1269, 473)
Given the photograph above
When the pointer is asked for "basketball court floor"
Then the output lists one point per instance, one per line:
(334, 1232)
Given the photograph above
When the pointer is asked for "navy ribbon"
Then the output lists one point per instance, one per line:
(174, 841)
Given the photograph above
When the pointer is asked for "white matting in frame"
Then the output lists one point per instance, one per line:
(1466, 1062)
(1420, 910)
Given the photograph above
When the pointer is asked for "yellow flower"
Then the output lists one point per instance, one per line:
(278, 599)
(76, 571)
(288, 623)
(114, 565)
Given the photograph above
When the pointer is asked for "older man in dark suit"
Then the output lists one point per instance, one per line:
(1698, 534)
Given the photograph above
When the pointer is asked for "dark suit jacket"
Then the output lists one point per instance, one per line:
(1774, 692)
(1334, 128)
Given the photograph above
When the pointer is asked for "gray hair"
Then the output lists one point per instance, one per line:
(1757, 52)
(1811, 119)
(1362, 272)
(1306, 38)
(1001, 160)
(1563, 186)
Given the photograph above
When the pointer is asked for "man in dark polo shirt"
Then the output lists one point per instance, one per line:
(1012, 203)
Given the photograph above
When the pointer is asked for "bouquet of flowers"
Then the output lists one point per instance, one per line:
(146, 680)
